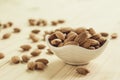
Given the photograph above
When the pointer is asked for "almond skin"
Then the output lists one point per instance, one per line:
(25, 47)
(15, 59)
(82, 71)
(36, 52)
(43, 60)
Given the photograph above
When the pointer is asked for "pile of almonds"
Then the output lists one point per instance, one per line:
(87, 38)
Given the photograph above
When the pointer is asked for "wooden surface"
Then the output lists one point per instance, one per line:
(103, 15)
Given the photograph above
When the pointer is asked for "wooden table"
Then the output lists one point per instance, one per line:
(103, 15)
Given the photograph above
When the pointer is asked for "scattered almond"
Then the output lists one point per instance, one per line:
(43, 60)
(32, 22)
(16, 30)
(61, 21)
(2, 55)
(31, 65)
(41, 46)
(33, 37)
(5, 26)
(114, 35)
(54, 23)
(82, 71)
(6, 35)
(104, 34)
(39, 65)
(49, 51)
(36, 31)
(25, 47)
(10, 24)
(36, 52)
(25, 58)
(15, 59)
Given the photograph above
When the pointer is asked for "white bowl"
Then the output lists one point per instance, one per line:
(76, 55)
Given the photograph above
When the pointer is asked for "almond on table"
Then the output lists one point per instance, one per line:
(104, 34)
(36, 52)
(41, 46)
(54, 23)
(82, 71)
(25, 47)
(61, 21)
(49, 51)
(25, 58)
(6, 35)
(39, 65)
(15, 59)
(2, 55)
(33, 37)
(31, 65)
(43, 60)
(36, 31)
(114, 35)
(16, 30)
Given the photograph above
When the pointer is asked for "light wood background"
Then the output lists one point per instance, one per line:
(103, 15)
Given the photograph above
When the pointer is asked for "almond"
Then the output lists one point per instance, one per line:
(15, 59)
(39, 65)
(49, 51)
(16, 30)
(66, 29)
(60, 35)
(54, 23)
(91, 31)
(25, 58)
(56, 42)
(1, 56)
(6, 35)
(80, 30)
(61, 21)
(82, 71)
(36, 52)
(81, 38)
(43, 60)
(104, 34)
(114, 35)
(71, 37)
(36, 31)
(71, 43)
(26, 47)
(52, 36)
(102, 40)
(41, 46)
(31, 65)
